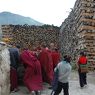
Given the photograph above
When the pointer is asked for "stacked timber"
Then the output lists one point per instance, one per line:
(7, 33)
(84, 24)
(67, 37)
(25, 34)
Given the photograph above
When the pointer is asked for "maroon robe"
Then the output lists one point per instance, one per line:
(55, 57)
(13, 79)
(47, 66)
(33, 76)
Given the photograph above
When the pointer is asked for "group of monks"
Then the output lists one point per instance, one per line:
(39, 64)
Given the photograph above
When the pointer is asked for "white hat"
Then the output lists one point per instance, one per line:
(2, 43)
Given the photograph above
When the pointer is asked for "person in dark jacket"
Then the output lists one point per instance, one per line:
(14, 58)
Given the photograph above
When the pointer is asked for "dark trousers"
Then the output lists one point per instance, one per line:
(82, 78)
(64, 86)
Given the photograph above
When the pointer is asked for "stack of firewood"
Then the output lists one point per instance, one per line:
(78, 30)
(30, 34)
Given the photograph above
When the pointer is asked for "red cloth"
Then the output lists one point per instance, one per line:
(13, 79)
(46, 62)
(82, 60)
(33, 76)
(55, 57)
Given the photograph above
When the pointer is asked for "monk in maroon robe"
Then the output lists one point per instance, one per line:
(33, 76)
(53, 49)
(45, 59)
(55, 57)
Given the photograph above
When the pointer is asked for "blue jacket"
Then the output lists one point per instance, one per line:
(14, 57)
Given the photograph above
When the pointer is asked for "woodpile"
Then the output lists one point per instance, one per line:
(83, 28)
(7, 34)
(67, 34)
(26, 34)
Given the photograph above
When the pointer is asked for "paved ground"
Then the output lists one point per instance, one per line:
(74, 86)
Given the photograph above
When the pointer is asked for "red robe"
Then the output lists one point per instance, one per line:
(33, 76)
(13, 79)
(47, 66)
(55, 57)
